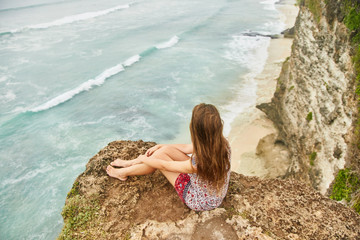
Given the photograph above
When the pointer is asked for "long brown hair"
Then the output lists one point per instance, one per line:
(211, 149)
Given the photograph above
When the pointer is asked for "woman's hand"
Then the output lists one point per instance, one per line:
(141, 159)
(151, 150)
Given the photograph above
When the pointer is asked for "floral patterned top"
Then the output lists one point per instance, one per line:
(198, 197)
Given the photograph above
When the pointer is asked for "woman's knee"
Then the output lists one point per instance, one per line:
(165, 150)
(170, 153)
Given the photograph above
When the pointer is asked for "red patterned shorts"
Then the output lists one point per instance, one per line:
(182, 180)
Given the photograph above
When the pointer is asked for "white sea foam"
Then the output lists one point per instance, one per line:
(86, 86)
(96, 122)
(174, 40)
(274, 26)
(26, 176)
(8, 97)
(19, 110)
(269, 4)
(244, 100)
(176, 77)
(3, 78)
(139, 126)
(130, 61)
(250, 52)
(73, 18)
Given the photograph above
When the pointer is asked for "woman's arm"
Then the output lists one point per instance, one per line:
(171, 166)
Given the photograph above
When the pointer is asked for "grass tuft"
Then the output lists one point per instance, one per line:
(352, 22)
(312, 158)
(309, 117)
(356, 206)
(346, 183)
(80, 214)
(315, 8)
(74, 190)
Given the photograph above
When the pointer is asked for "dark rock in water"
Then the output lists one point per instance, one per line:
(289, 33)
(147, 207)
(255, 34)
(268, 109)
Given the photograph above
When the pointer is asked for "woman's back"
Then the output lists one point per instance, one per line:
(199, 196)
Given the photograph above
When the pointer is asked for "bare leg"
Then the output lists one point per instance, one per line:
(171, 154)
(164, 153)
(128, 170)
(122, 163)
(116, 173)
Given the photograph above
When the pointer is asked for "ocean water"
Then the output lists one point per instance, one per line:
(76, 75)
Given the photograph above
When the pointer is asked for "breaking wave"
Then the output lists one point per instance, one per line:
(86, 86)
(174, 40)
(70, 19)
(100, 79)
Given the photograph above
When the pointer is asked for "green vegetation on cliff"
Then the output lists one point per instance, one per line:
(352, 21)
(80, 214)
(309, 117)
(312, 158)
(314, 7)
(346, 183)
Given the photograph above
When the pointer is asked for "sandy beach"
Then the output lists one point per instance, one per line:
(253, 125)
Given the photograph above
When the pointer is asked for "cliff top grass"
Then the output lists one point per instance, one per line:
(314, 7)
(81, 214)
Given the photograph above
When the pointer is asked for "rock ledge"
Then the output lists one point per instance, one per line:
(147, 207)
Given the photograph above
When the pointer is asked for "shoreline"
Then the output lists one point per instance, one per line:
(253, 125)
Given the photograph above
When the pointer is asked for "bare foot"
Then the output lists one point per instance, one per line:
(116, 173)
(120, 163)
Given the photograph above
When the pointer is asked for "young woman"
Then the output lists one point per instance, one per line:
(200, 181)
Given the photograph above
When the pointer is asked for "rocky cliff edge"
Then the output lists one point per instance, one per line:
(147, 207)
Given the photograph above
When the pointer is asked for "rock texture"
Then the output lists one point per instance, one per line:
(314, 104)
(147, 207)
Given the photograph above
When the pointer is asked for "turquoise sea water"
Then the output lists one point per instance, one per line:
(76, 75)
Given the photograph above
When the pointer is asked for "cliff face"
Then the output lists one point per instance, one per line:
(314, 104)
(147, 207)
